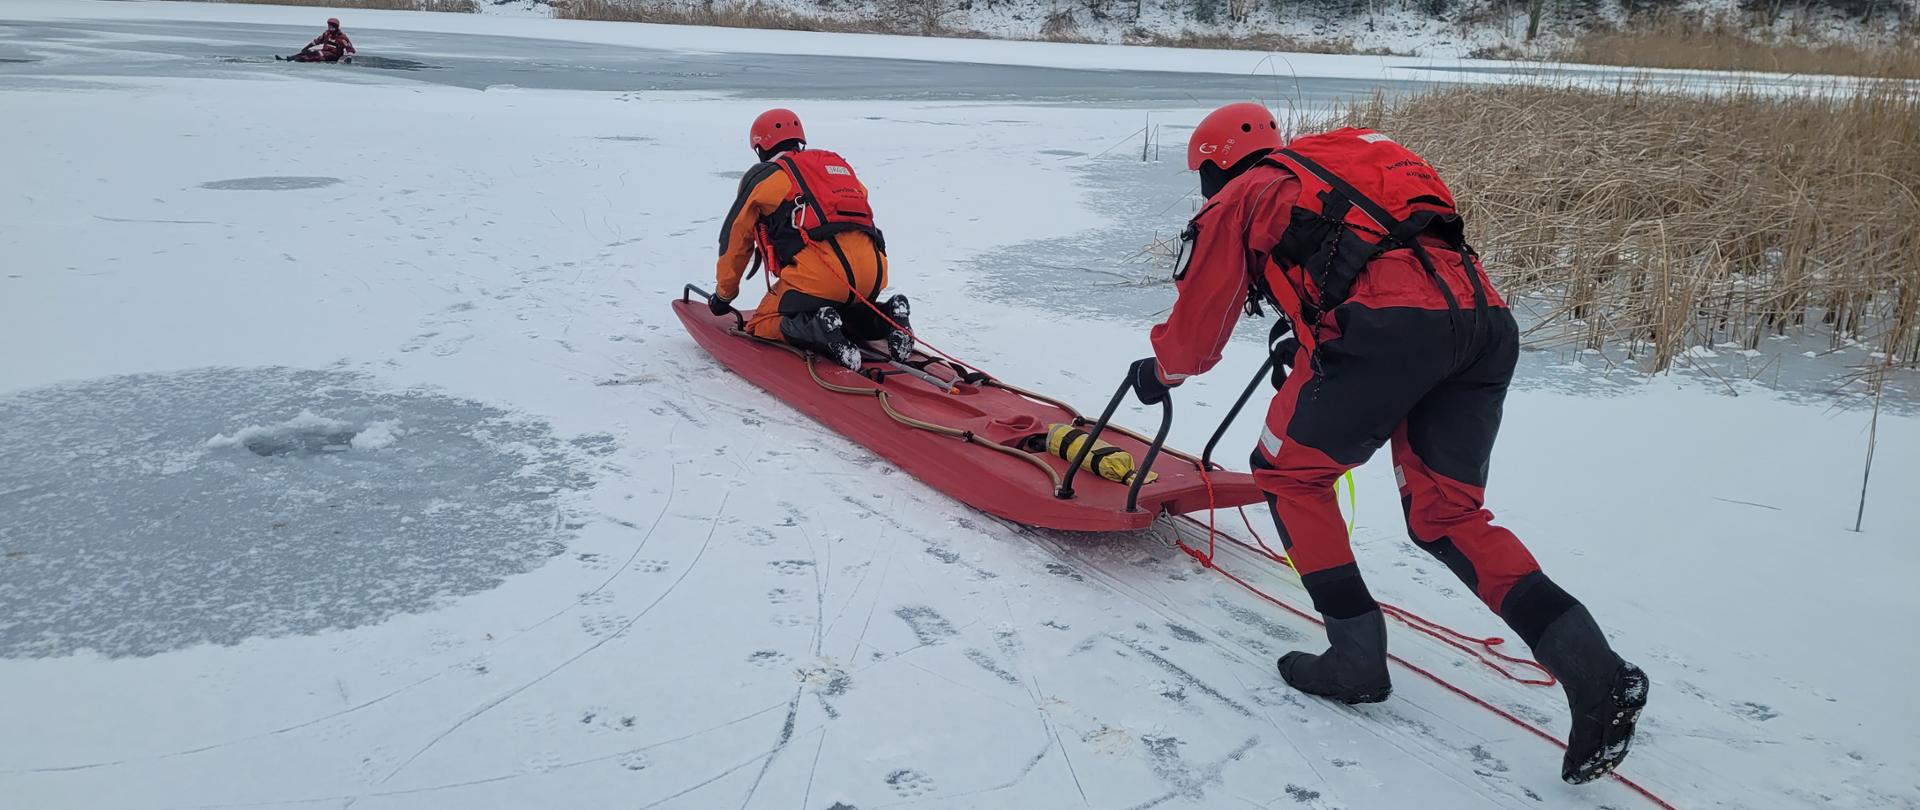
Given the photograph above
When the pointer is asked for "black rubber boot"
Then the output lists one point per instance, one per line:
(822, 331)
(899, 341)
(1352, 670)
(1604, 694)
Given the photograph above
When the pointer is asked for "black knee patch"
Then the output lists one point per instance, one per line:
(1442, 549)
(1446, 552)
(1339, 592)
(1279, 526)
(1534, 604)
(1259, 462)
(794, 302)
(817, 330)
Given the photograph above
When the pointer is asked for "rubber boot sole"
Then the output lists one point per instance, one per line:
(1612, 725)
(1351, 697)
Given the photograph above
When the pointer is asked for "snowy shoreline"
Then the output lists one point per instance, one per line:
(1065, 55)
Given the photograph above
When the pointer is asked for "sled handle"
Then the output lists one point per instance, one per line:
(686, 296)
(1206, 455)
(1146, 464)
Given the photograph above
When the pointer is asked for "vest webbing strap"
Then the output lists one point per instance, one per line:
(833, 240)
(1374, 211)
(1400, 232)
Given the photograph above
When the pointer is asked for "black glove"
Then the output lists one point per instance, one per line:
(718, 305)
(1283, 354)
(1284, 345)
(1145, 374)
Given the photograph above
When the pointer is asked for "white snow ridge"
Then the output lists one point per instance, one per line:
(378, 435)
(311, 432)
(307, 430)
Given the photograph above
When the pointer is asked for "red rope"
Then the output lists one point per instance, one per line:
(1479, 648)
(1485, 650)
(944, 354)
(1636, 787)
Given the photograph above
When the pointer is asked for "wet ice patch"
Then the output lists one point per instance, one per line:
(1106, 271)
(270, 183)
(391, 63)
(148, 513)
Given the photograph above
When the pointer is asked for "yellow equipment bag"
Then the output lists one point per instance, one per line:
(1111, 463)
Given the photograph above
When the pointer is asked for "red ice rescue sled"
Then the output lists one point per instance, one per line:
(981, 441)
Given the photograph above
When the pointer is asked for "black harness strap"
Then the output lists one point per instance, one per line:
(846, 265)
(1068, 451)
(1474, 272)
(1403, 232)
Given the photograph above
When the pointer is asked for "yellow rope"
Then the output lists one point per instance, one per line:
(1120, 429)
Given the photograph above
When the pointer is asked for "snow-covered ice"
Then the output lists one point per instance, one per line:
(539, 550)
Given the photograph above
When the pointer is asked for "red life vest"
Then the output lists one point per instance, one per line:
(826, 200)
(1361, 195)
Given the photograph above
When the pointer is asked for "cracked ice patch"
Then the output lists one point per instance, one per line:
(147, 513)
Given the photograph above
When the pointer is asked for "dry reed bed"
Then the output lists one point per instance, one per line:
(723, 15)
(458, 6)
(1659, 221)
(1735, 43)
(911, 17)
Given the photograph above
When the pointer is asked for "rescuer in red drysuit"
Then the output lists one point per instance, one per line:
(330, 46)
(1398, 335)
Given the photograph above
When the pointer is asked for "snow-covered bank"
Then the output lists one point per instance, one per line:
(746, 611)
(1280, 66)
(738, 40)
(1430, 28)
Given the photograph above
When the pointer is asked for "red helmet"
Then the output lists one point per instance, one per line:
(774, 126)
(1230, 133)
(333, 22)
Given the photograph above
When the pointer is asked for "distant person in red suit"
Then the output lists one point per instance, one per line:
(331, 46)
